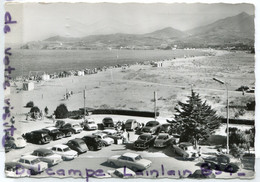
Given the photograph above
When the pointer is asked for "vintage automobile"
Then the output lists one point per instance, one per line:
(106, 141)
(176, 138)
(16, 170)
(152, 127)
(115, 135)
(165, 128)
(66, 131)
(90, 124)
(65, 152)
(199, 174)
(78, 145)
(130, 160)
(144, 141)
(185, 150)
(222, 162)
(74, 126)
(54, 132)
(14, 142)
(132, 124)
(163, 140)
(93, 142)
(34, 163)
(108, 123)
(37, 136)
(47, 156)
(122, 172)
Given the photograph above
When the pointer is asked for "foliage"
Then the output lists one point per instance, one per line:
(61, 111)
(29, 104)
(196, 119)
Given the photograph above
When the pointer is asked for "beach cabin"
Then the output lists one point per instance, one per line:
(45, 77)
(28, 86)
(158, 64)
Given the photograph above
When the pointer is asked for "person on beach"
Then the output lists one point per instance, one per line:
(53, 118)
(46, 111)
(12, 120)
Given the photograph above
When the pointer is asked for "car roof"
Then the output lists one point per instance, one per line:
(29, 157)
(90, 136)
(186, 144)
(51, 128)
(146, 134)
(129, 154)
(60, 146)
(110, 130)
(42, 150)
(107, 118)
(163, 134)
(39, 131)
(153, 122)
(76, 140)
(130, 120)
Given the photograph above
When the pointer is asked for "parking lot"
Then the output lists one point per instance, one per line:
(164, 162)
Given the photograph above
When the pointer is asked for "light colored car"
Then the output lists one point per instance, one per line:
(90, 124)
(185, 150)
(130, 160)
(132, 124)
(162, 140)
(104, 138)
(122, 172)
(111, 133)
(15, 141)
(48, 156)
(65, 152)
(15, 170)
(34, 163)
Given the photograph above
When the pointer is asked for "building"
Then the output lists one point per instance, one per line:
(28, 86)
(80, 73)
(45, 77)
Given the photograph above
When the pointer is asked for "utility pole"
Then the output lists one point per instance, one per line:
(155, 100)
(84, 97)
(225, 83)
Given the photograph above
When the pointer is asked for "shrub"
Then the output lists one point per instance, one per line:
(29, 104)
(61, 111)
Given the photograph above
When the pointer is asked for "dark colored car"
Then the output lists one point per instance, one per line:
(222, 162)
(152, 127)
(54, 133)
(66, 131)
(37, 136)
(144, 141)
(11, 169)
(108, 122)
(78, 145)
(200, 174)
(93, 142)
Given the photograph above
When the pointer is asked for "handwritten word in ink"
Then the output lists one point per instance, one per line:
(8, 21)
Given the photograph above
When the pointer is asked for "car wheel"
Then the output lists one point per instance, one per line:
(91, 148)
(103, 144)
(40, 142)
(112, 164)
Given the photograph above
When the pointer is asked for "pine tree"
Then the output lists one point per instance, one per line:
(196, 119)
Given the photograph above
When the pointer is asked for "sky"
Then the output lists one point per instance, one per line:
(37, 21)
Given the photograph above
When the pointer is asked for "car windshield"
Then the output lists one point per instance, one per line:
(162, 137)
(151, 124)
(48, 153)
(138, 157)
(143, 137)
(35, 161)
(66, 149)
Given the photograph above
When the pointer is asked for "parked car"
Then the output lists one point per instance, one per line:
(54, 132)
(108, 123)
(199, 174)
(65, 152)
(47, 156)
(15, 170)
(34, 163)
(152, 127)
(163, 140)
(185, 150)
(93, 142)
(121, 173)
(222, 162)
(15, 142)
(165, 128)
(66, 131)
(115, 135)
(90, 124)
(176, 138)
(78, 145)
(129, 160)
(104, 138)
(132, 124)
(144, 141)
(38, 136)
(74, 126)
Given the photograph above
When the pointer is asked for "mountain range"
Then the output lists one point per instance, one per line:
(237, 30)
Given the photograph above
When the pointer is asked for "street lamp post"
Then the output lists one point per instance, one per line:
(224, 83)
